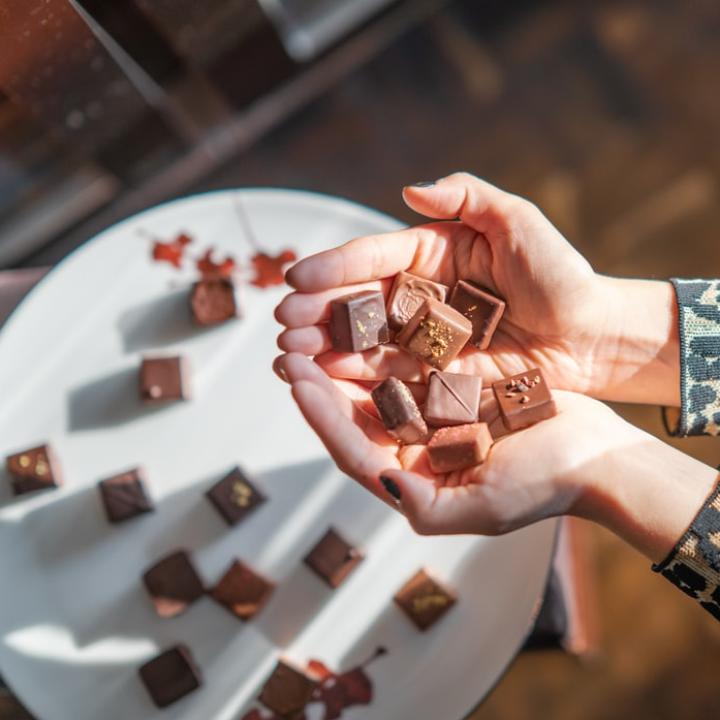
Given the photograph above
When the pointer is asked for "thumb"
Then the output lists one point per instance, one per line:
(414, 496)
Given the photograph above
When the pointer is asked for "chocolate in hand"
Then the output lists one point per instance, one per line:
(171, 675)
(173, 584)
(452, 399)
(424, 600)
(407, 295)
(124, 496)
(235, 497)
(524, 399)
(399, 411)
(480, 307)
(459, 447)
(436, 334)
(242, 591)
(333, 559)
(164, 379)
(33, 469)
(287, 691)
(214, 301)
(358, 322)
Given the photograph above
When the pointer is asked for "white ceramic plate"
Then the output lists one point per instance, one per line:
(75, 622)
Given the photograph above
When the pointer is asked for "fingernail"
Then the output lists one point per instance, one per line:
(424, 184)
(279, 370)
(391, 487)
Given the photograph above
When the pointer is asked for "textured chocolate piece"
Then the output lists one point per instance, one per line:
(407, 294)
(462, 446)
(164, 379)
(436, 334)
(524, 399)
(33, 469)
(452, 399)
(482, 309)
(287, 691)
(333, 559)
(235, 497)
(358, 322)
(214, 301)
(242, 591)
(171, 675)
(124, 496)
(173, 584)
(399, 411)
(424, 600)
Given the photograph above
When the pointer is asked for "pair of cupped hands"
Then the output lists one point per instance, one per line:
(592, 336)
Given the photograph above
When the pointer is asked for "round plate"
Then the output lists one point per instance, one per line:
(75, 622)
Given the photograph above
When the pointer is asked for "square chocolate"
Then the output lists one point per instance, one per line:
(242, 591)
(235, 497)
(407, 294)
(459, 447)
(482, 309)
(524, 399)
(358, 321)
(399, 411)
(214, 301)
(436, 334)
(33, 469)
(424, 600)
(164, 379)
(287, 691)
(124, 496)
(333, 558)
(452, 399)
(171, 675)
(173, 584)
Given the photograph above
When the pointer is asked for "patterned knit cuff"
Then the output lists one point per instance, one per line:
(693, 564)
(699, 317)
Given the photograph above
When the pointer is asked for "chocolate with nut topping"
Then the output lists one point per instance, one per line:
(399, 411)
(524, 399)
(480, 307)
(407, 294)
(358, 322)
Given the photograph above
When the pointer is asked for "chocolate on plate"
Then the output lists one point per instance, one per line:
(124, 496)
(407, 295)
(399, 411)
(33, 469)
(287, 691)
(235, 497)
(173, 584)
(242, 591)
(358, 321)
(333, 558)
(452, 399)
(424, 600)
(164, 379)
(524, 399)
(436, 334)
(482, 309)
(171, 675)
(459, 447)
(214, 301)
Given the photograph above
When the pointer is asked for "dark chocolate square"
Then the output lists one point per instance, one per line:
(480, 307)
(358, 321)
(333, 558)
(424, 600)
(173, 584)
(287, 691)
(171, 675)
(399, 412)
(242, 591)
(214, 301)
(33, 469)
(524, 399)
(124, 496)
(235, 497)
(452, 399)
(164, 379)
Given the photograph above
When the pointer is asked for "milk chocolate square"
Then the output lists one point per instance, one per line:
(452, 399)
(480, 307)
(287, 691)
(164, 379)
(399, 411)
(173, 584)
(33, 469)
(424, 600)
(235, 497)
(407, 294)
(459, 447)
(333, 558)
(524, 399)
(214, 301)
(358, 321)
(436, 334)
(171, 675)
(242, 591)
(124, 496)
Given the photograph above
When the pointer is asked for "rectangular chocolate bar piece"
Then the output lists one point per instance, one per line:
(424, 600)
(452, 399)
(173, 584)
(214, 301)
(124, 496)
(164, 379)
(399, 411)
(358, 321)
(480, 307)
(171, 675)
(407, 294)
(333, 558)
(242, 591)
(459, 447)
(436, 334)
(235, 497)
(33, 469)
(524, 399)
(287, 691)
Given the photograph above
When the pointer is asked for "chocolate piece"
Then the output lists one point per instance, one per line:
(424, 600)
(235, 497)
(171, 675)
(124, 496)
(164, 379)
(452, 399)
(407, 295)
(462, 446)
(399, 411)
(524, 399)
(482, 309)
(333, 559)
(436, 334)
(33, 469)
(287, 691)
(242, 591)
(214, 301)
(358, 321)
(173, 584)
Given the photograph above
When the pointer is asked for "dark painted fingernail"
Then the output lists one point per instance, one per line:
(424, 184)
(391, 487)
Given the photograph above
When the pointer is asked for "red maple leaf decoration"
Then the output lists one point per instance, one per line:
(209, 269)
(269, 269)
(171, 252)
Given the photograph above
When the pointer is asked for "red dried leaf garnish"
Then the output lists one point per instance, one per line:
(319, 670)
(269, 269)
(209, 269)
(171, 252)
(357, 687)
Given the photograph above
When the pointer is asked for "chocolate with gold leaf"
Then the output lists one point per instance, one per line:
(424, 600)
(235, 497)
(33, 469)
